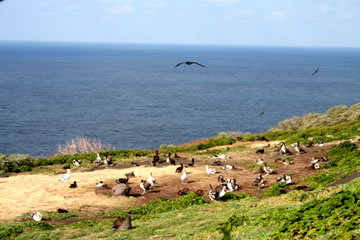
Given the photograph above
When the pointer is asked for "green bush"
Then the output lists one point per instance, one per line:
(336, 217)
(275, 189)
(231, 224)
(334, 115)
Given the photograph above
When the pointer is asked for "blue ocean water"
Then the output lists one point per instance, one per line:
(131, 96)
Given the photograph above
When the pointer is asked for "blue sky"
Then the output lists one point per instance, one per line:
(323, 23)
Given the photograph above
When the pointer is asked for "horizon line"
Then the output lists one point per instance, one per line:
(183, 44)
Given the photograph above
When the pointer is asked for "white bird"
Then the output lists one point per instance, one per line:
(184, 176)
(222, 193)
(76, 163)
(144, 186)
(105, 161)
(98, 160)
(314, 160)
(288, 179)
(210, 170)
(267, 169)
(100, 184)
(259, 161)
(298, 148)
(151, 180)
(213, 195)
(37, 216)
(229, 185)
(316, 166)
(228, 167)
(66, 176)
(221, 156)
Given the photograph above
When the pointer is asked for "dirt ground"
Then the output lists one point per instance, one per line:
(28, 193)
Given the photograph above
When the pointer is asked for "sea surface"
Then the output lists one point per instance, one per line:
(131, 96)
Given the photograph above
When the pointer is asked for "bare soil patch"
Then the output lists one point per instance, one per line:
(30, 193)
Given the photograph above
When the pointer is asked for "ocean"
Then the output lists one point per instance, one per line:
(131, 96)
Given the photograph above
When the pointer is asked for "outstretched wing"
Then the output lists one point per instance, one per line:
(315, 71)
(179, 64)
(199, 64)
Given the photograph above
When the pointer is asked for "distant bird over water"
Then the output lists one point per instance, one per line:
(189, 63)
(315, 72)
(262, 113)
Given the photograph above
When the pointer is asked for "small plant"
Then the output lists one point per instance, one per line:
(231, 224)
(275, 189)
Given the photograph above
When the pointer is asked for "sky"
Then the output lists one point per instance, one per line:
(321, 23)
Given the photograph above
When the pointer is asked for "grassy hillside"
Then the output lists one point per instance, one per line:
(279, 212)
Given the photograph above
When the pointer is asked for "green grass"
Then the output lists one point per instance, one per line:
(344, 159)
(335, 217)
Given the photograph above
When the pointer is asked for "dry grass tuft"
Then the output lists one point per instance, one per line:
(82, 144)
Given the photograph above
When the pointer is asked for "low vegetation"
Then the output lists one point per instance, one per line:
(82, 144)
(334, 115)
(281, 213)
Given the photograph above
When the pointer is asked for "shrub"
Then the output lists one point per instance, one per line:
(236, 135)
(275, 189)
(231, 224)
(82, 144)
(334, 115)
(337, 216)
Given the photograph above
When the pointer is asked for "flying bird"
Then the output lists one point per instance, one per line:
(189, 63)
(315, 72)
(262, 113)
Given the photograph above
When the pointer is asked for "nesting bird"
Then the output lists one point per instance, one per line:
(210, 170)
(100, 184)
(122, 180)
(284, 150)
(73, 185)
(191, 164)
(145, 186)
(76, 162)
(60, 210)
(221, 178)
(259, 181)
(123, 223)
(315, 166)
(217, 163)
(66, 176)
(151, 180)
(314, 160)
(37, 216)
(170, 160)
(221, 156)
(228, 167)
(285, 179)
(268, 170)
(298, 148)
(259, 161)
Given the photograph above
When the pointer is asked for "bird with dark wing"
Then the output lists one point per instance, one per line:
(262, 113)
(189, 63)
(315, 72)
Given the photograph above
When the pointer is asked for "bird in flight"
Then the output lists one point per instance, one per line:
(189, 63)
(315, 72)
(262, 113)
